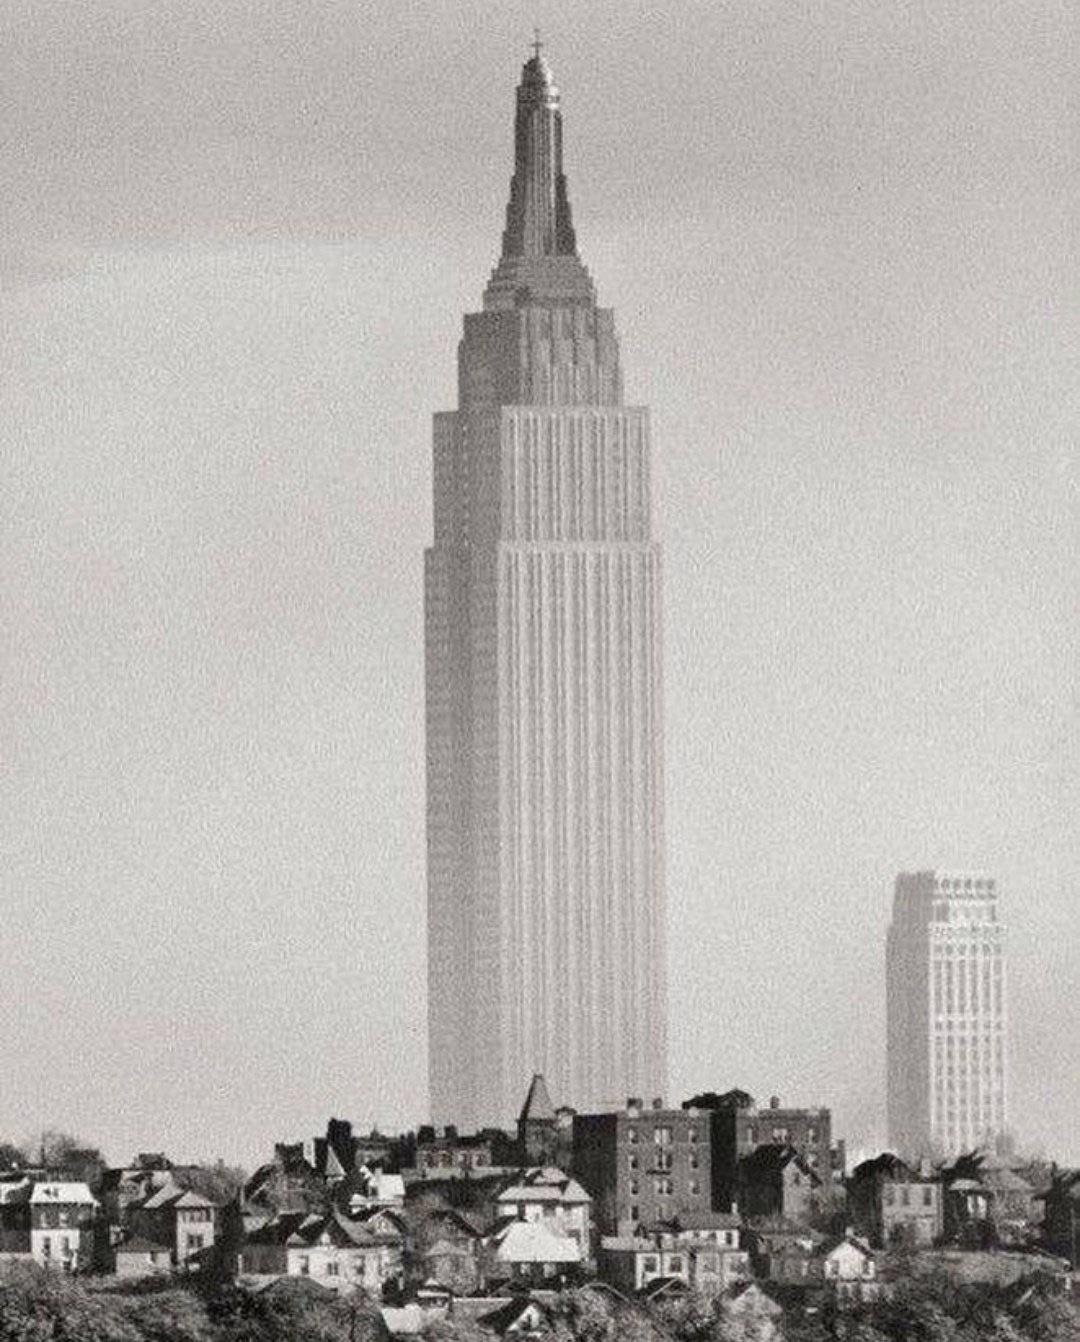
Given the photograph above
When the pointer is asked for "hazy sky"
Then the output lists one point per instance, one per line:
(236, 241)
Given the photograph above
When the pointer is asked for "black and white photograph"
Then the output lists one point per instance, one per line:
(540, 670)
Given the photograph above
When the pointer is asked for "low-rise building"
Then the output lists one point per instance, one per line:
(451, 1155)
(704, 1255)
(642, 1165)
(139, 1257)
(184, 1220)
(738, 1125)
(529, 1251)
(344, 1255)
(892, 1204)
(547, 1194)
(65, 1226)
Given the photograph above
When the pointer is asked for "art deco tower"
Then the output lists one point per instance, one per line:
(945, 992)
(546, 915)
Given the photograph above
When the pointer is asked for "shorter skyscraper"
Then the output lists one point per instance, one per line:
(945, 988)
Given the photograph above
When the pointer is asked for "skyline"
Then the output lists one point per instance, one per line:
(858, 263)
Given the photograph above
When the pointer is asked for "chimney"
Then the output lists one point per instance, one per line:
(774, 1101)
(658, 1103)
(633, 1106)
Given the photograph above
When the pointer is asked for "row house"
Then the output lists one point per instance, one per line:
(891, 1203)
(642, 1165)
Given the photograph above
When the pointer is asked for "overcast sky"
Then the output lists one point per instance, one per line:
(236, 241)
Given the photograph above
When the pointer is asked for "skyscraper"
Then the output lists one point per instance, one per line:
(546, 916)
(945, 986)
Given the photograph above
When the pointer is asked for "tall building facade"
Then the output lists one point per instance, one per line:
(546, 912)
(946, 1014)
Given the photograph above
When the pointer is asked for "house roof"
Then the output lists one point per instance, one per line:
(341, 1230)
(55, 1194)
(505, 1317)
(887, 1165)
(278, 1229)
(545, 1185)
(538, 1106)
(661, 1286)
(11, 1193)
(839, 1241)
(533, 1242)
(775, 1157)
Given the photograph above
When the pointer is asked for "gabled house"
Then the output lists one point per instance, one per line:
(264, 1252)
(891, 1203)
(529, 1251)
(547, 1194)
(65, 1226)
(849, 1270)
(183, 1220)
(753, 1312)
(344, 1255)
(775, 1181)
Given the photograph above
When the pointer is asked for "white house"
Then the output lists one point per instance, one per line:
(63, 1225)
(548, 1195)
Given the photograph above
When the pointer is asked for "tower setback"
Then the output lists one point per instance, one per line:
(546, 914)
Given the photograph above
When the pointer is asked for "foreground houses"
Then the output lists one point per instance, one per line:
(705, 1256)
(554, 1198)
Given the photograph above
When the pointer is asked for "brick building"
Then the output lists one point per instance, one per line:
(738, 1126)
(642, 1165)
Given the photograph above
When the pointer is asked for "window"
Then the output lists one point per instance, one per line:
(928, 1196)
(46, 1246)
(692, 1136)
(633, 1187)
(662, 1136)
(634, 1213)
(650, 1264)
(305, 1266)
(780, 1134)
(693, 1161)
(675, 1263)
(633, 1162)
(631, 1136)
(905, 1196)
(333, 1269)
(694, 1189)
(663, 1160)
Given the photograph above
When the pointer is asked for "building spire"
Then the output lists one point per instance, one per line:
(538, 216)
(539, 261)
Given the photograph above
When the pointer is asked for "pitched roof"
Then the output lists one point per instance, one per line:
(537, 1106)
(533, 1242)
(56, 1193)
(545, 1184)
(341, 1230)
(503, 1319)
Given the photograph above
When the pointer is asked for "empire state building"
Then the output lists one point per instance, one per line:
(545, 841)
